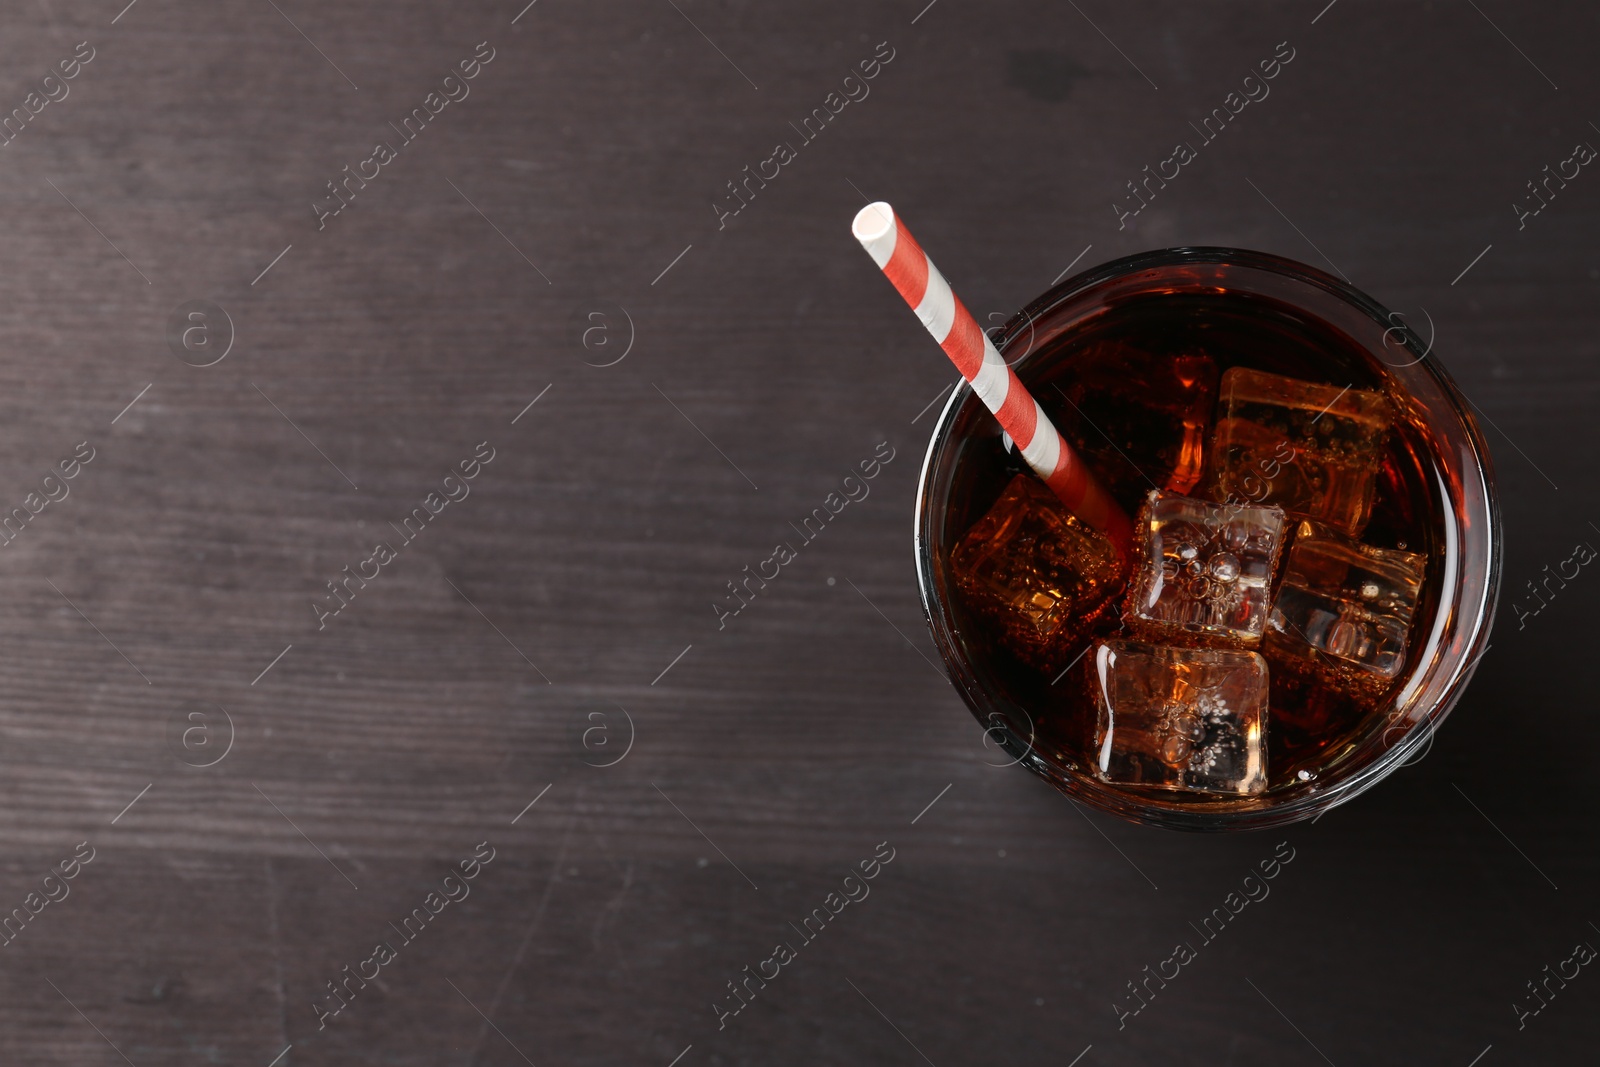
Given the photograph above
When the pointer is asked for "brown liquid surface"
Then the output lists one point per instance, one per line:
(1123, 389)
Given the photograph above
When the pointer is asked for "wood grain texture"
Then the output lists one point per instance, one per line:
(770, 359)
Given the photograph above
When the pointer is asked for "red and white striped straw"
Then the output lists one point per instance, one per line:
(885, 237)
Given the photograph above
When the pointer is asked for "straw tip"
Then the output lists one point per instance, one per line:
(873, 221)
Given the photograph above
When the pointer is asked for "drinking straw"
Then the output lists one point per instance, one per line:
(885, 237)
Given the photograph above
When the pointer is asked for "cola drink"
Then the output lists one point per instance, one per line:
(1315, 548)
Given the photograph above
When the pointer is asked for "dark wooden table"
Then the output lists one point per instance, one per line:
(269, 789)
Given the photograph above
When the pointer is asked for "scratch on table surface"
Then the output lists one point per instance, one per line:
(533, 927)
(345, 854)
(609, 909)
(608, 914)
(277, 954)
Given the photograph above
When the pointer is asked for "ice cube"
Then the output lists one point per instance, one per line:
(1181, 718)
(1140, 418)
(1203, 568)
(1034, 572)
(1347, 601)
(1309, 448)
